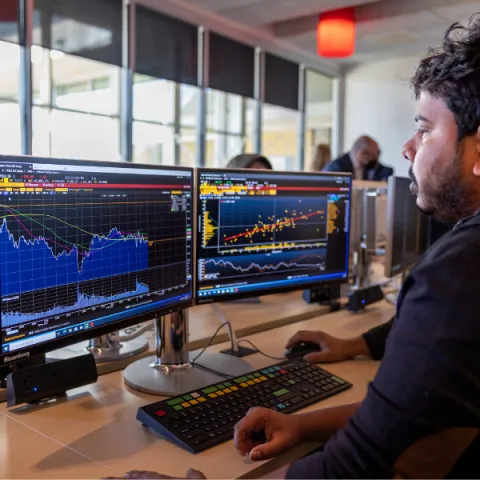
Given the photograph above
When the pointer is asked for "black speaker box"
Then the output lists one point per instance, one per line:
(359, 299)
(50, 380)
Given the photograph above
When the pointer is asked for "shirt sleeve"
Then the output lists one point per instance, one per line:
(422, 411)
(376, 338)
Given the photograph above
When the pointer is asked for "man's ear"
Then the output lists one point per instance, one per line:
(476, 165)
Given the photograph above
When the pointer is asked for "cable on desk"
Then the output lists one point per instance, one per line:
(257, 350)
(212, 338)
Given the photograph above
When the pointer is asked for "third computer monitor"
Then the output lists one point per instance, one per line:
(260, 231)
(406, 228)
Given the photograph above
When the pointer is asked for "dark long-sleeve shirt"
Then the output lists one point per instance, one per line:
(421, 415)
(376, 338)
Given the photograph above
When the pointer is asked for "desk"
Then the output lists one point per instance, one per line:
(26, 453)
(99, 421)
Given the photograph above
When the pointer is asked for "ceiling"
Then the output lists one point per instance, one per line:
(385, 28)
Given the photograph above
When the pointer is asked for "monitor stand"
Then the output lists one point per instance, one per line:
(174, 370)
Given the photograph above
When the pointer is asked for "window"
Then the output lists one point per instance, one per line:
(165, 96)
(153, 100)
(226, 126)
(319, 115)
(280, 129)
(76, 61)
(65, 134)
(9, 108)
(153, 143)
(280, 116)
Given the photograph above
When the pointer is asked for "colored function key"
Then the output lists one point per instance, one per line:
(209, 390)
(174, 401)
(281, 392)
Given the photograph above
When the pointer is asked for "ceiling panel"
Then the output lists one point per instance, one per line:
(261, 12)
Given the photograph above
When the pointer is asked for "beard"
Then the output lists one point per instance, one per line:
(446, 195)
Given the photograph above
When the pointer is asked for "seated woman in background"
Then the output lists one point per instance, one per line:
(323, 155)
(250, 160)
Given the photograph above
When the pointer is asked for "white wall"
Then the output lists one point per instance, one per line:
(379, 103)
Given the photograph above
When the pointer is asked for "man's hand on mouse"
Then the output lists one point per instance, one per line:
(332, 349)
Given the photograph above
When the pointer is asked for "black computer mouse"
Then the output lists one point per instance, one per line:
(299, 351)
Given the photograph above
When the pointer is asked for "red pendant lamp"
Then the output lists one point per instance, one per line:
(336, 33)
(8, 11)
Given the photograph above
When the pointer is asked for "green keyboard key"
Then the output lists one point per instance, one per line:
(174, 401)
(281, 392)
(208, 390)
(339, 380)
(257, 374)
(241, 380)
(178, 408)
(228, 384)
(187, 398)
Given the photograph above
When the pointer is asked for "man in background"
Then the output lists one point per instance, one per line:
(362, 161)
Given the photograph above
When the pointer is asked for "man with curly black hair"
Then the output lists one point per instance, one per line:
(421, 415)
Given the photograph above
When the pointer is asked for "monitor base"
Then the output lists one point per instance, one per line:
(241, 352)
(103, 352)
(148, 375)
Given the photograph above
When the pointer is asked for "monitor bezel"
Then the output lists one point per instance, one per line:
(81, 336)
(302, 284)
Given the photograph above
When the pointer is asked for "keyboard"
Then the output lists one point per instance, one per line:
(205, 418)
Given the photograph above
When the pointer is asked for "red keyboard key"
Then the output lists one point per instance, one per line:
(160, 413)
(283, 371)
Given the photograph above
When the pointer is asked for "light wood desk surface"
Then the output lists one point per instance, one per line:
(26, 453)
(99, 422)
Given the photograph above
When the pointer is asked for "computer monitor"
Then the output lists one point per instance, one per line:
(89, 247)
(262, 232)
(406, 228)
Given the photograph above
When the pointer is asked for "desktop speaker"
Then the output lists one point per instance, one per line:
(359, 299)
(50, 380)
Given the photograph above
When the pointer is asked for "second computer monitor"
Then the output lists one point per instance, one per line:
(260, 232)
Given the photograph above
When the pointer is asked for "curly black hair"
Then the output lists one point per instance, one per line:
(452, 73)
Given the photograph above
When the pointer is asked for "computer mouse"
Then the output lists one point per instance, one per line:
(299, 351)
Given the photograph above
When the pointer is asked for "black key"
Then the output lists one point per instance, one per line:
(199, 440)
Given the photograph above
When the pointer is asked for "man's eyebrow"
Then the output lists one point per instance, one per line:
(421, 118)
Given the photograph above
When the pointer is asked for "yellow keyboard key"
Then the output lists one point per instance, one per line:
(257, 380)
(193, 402)
(244, 385)
(263, 379)
(227, 390)
(220, 393)
(212, 395)
(251, 382)
(201, 399)
(234, 389)
(185, 404)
